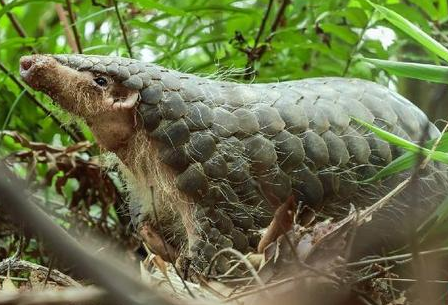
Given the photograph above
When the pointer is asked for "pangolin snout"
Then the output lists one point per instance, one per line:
(32, 68)
(26, 62)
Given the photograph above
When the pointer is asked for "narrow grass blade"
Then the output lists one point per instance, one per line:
(430, 73)
(412, 30)
(407, 160)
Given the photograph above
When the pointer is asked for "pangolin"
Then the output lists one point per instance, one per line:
(224, 156)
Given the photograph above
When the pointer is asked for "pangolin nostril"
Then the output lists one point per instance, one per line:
(26, 62)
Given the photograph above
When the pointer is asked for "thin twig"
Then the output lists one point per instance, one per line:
(71, 16)
(263, 23)
(86, 295)
(123, 30)
(398, 257)
(278, 19)
(434, 147)
(367, 213)
(243, 259)
(412, 280)
(21, 265)
(255, 53)
(356, 48)
(15, 23)
(13, 278)
(260, 289)
(390, 286)
(67, 29)
(371, 276)
(50, 268)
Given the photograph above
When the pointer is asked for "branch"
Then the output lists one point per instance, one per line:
(123, 30)
(68, 32)
(356, 48)
(71, 16)
(263, 23)
(21, 265)
(278, 19)
(255, 53)
(87, 295)
(108, 273)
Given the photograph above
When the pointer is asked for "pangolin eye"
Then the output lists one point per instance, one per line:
(101, 81)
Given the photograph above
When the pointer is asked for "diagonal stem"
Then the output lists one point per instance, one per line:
(255, 53)
(123, 30)
(71, 16)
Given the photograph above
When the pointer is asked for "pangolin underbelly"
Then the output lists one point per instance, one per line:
(238, 151)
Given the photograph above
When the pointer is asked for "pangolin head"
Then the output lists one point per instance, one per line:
(103, 90)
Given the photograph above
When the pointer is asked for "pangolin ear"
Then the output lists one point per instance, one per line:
(127, 103)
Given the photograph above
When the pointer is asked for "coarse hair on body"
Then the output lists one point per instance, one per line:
(152, 186)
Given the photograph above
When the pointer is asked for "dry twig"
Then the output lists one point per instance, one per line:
(86, 295)
(21, 265)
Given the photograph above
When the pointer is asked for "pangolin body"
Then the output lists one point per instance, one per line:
(238, 151)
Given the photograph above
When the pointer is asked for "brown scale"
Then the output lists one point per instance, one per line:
(172, 106)
(175, 157)
(201, 146)
(290, 151)
(275, 185)
(193, 181)
(293, 115)
(173, 133)
(260, 151)
(306, 186)
(199, 116)
(315, 148)
(216, 167)
(247, 122)
(357, 145)
(338, 153)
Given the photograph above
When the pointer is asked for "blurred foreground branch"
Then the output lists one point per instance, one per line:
(122, 287)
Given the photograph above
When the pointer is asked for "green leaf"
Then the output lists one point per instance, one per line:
(428, 7)
(21, 41)
(409, 159)
(405, 144)
(152, 4)
(356, 16)
(149, 26)
(431, 73)
(11, 110)
(443, 9)
(413, 31)
(222, 8)
(16, 3)
(342, 32)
